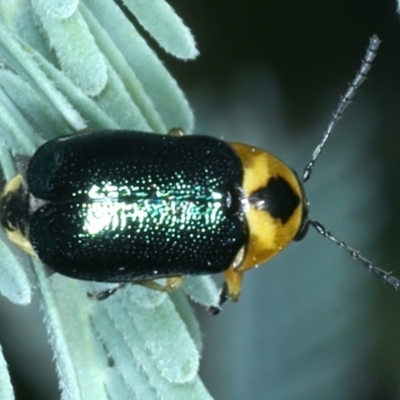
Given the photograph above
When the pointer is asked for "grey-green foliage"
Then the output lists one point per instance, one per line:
(6, 390)
(73, 65)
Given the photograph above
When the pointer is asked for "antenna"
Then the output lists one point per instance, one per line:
(386, 277)
(344, 101)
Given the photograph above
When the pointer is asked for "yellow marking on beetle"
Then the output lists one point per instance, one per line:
(267, 235)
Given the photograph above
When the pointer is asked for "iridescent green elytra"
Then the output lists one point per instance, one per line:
(122, 205)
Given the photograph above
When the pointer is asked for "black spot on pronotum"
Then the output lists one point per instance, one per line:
(278, 198)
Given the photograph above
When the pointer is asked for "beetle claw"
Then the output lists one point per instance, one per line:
(214, 310)
(105, 294)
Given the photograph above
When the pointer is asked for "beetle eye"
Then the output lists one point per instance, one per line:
(305, 223)
(300, 235)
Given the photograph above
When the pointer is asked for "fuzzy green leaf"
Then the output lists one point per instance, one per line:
(138, 343)
(160, 20)
(6, 390)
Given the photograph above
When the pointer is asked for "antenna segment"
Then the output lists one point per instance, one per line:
(345, 100)
(385, 276)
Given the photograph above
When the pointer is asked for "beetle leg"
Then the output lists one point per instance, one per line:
(178, 132)
(229, 290)
(105, 294)
(173, 283)
(233, 284)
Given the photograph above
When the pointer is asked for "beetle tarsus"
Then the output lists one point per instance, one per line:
(223, 297)
(105, 294)
(214, 310)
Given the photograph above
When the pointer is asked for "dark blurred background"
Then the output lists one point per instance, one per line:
(309, 46)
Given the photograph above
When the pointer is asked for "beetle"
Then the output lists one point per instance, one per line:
(129, 207)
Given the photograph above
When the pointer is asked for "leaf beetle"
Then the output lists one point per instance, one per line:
(130, 207)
